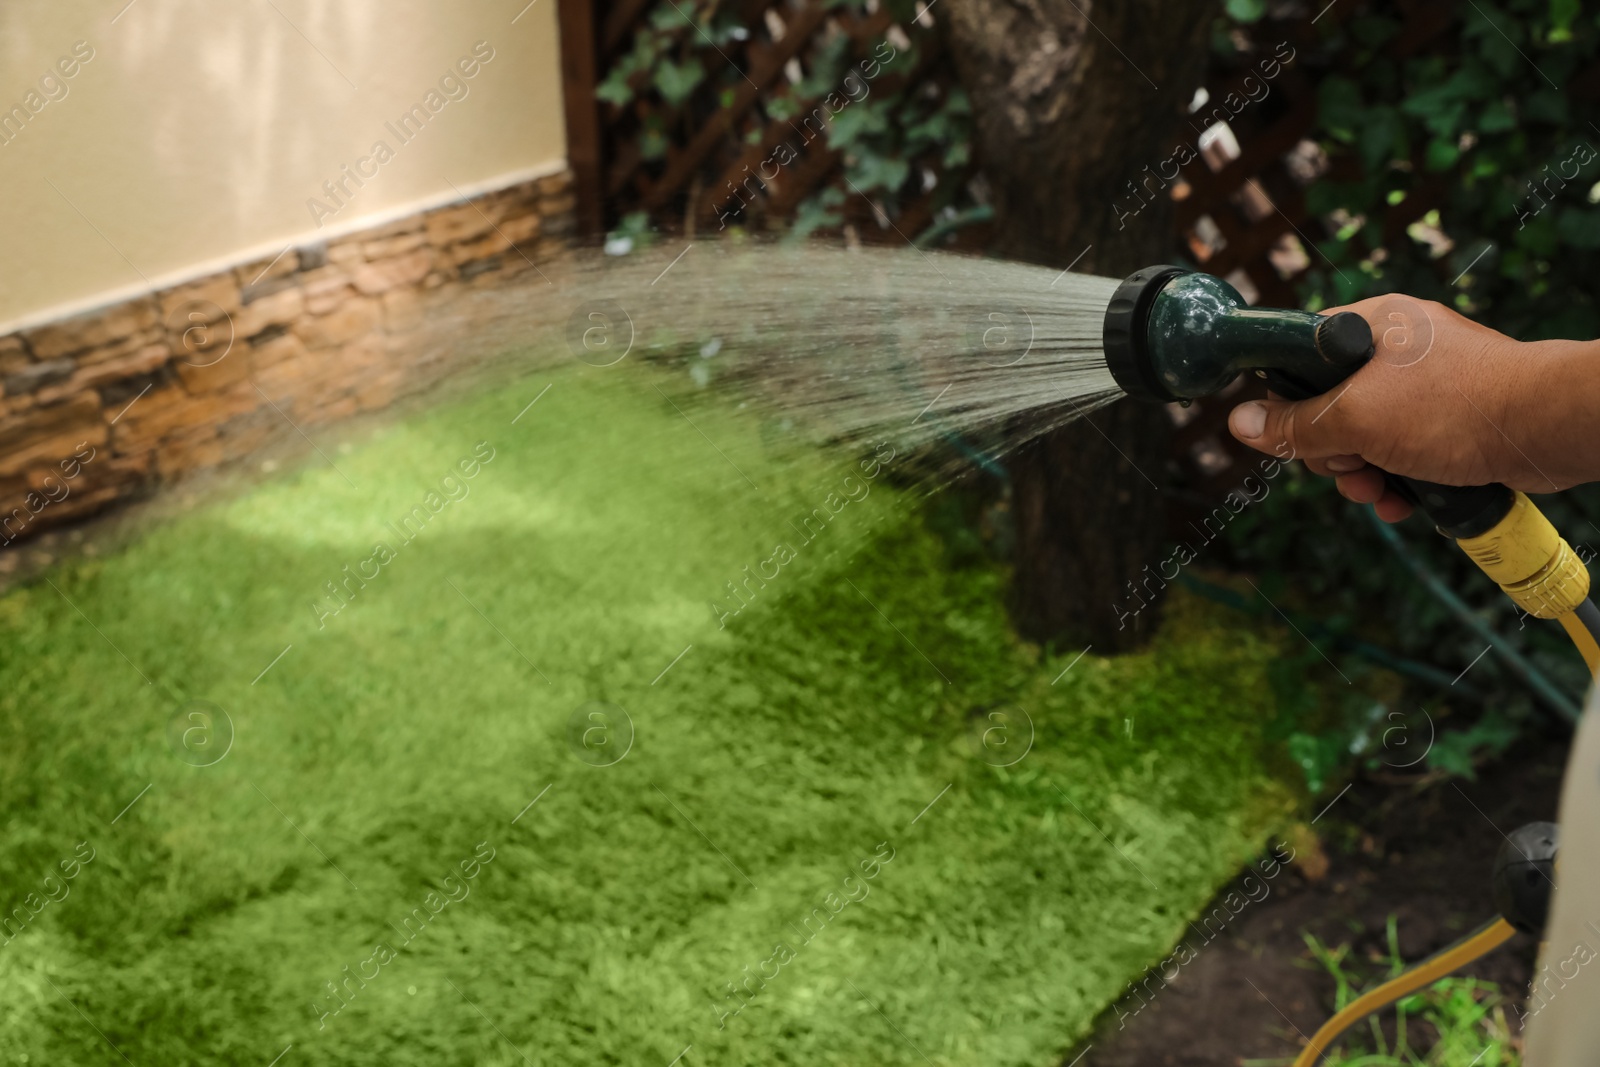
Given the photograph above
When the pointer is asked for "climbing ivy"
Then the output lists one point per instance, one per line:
(900, 137)
(1488, 126)
(1486, 122)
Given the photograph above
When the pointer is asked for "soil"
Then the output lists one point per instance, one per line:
(1418, 851)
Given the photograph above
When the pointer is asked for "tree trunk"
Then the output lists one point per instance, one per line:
(1073, 101)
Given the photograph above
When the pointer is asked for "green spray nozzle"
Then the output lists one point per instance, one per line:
(1173, 334)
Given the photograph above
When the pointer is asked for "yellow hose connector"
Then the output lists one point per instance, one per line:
(1531, 562)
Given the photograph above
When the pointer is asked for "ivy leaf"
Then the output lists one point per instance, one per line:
(1429, 101)
(1484, 166)
(652, 144)
(1580, 227)
(1562, 12)
(615, 89)
(1340, 107)
(667, 17)
(1350, 285)
(814, 213)
(1441, 108)
(1447, 120)
(932, 130)
(1326, 197)
(1474, 82)
(879, 172)
(1497, 117)
(1383, 137)
(855, 122)
(1246, 10)
(826, 69)
(1221, 41)
(726, 28)
(1495, 44)
(1442, 154)
(1546, 105)
(1540, 236)
(676, 81)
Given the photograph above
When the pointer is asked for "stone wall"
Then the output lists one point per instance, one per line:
(109, 405)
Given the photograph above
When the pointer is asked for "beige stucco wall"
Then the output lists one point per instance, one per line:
(197, 131)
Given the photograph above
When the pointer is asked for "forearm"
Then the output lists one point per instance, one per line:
(1553, 417)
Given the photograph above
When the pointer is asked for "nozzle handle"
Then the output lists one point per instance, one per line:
(1342, 345)
(1344, 341)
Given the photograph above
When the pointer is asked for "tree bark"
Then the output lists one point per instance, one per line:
(1073, 101)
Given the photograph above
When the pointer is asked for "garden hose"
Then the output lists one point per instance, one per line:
(1523, 878)
(1539, 571)
(1583, 626)
(1171, 334)
(1544, 688)
(1480, 942)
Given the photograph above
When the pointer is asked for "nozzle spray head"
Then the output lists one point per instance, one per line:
(1176, 334)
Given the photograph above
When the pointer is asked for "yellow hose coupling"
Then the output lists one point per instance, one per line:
(1531, 562)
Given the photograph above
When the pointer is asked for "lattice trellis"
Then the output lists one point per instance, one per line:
(753, 142)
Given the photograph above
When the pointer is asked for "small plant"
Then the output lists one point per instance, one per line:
(1462, 1020)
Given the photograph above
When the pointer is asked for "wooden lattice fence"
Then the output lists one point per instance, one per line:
(750, 141)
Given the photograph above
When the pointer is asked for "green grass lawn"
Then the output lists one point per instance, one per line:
(801, 799)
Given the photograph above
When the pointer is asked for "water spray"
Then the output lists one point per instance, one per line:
(1174, 335)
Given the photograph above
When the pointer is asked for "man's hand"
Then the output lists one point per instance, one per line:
(1446, 400)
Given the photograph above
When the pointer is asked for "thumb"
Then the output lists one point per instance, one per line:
(1290, 429)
